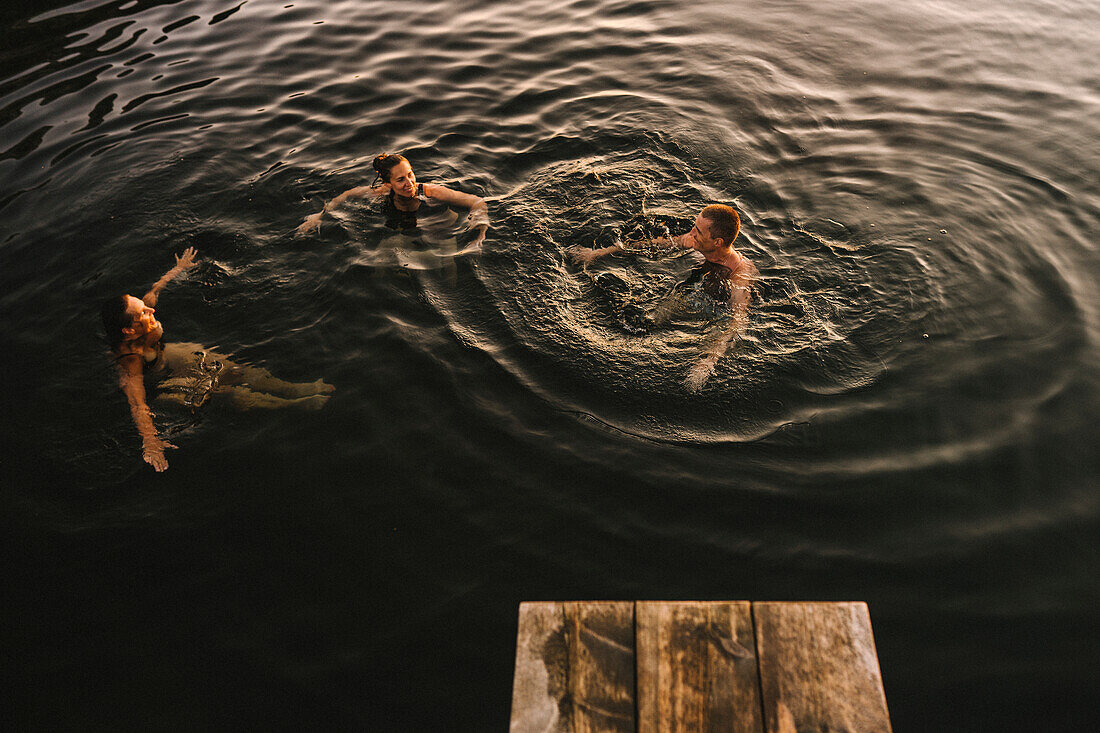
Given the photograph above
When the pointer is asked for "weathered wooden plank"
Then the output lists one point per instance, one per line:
(818, 668)
(697, 668)
(574, 668)
(542, 660)
(600, 639)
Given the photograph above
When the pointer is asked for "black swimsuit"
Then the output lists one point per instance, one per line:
(397, 218)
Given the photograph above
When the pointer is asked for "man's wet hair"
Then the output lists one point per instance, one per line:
(115, 318)
(384, 163)
(725, 224)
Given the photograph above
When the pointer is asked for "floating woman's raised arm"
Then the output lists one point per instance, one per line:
(183, 262)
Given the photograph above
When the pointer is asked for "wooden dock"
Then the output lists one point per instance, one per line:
(739, 666)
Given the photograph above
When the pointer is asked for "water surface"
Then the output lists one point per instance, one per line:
(908, 420)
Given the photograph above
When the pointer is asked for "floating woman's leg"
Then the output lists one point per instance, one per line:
(175, 398)
(261, 380)
(183, 358)
(244, 398)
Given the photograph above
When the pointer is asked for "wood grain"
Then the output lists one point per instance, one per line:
(600, 637)
(574, 668)
(697, 667)
(818, 668)
(539, 685)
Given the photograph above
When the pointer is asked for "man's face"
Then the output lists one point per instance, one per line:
(700, 238)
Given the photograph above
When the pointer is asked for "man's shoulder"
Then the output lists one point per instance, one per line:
(743, 267)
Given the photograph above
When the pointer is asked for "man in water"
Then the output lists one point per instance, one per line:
(725, 276)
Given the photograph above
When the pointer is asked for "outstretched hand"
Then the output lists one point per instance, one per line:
(189, 258)
(477, 220)
(310, 225)
(184, 261)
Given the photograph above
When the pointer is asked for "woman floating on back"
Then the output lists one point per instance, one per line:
(185, 373)
(404, 200)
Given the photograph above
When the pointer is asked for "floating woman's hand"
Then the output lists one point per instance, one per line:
(476, 244)
(189, 258)
(152, 450)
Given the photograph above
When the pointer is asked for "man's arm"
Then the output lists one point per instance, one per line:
(584, 255)
(739, 302)
(313, 221)
(130, 380)
(183, 262)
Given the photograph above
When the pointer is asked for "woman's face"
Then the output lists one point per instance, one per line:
(143, 320)
(402, 179)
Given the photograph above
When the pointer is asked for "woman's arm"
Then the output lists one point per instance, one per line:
(130, 379)
(468, 200)
(183, 262)
(313, 221)
(656, 247)
(479, 210)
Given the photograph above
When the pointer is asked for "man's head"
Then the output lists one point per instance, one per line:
(724, 222)
(715, 229)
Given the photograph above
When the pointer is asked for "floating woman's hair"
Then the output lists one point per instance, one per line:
(385, 163)
(115, 319)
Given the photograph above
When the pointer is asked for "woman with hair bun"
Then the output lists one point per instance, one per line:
(185, 373)
(404, 201)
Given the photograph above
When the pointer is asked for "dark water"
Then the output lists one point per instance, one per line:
(909, 420)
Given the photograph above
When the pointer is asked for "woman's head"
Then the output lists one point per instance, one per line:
(127, 317)
(115, 318)
(396, 171)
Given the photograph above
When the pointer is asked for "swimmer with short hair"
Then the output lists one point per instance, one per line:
(395, 183)
(715, 229)
(185, 372)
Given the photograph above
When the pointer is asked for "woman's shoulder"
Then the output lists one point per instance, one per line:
(135, 353)
(438, 191)
(127, 349)
(129, 363)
